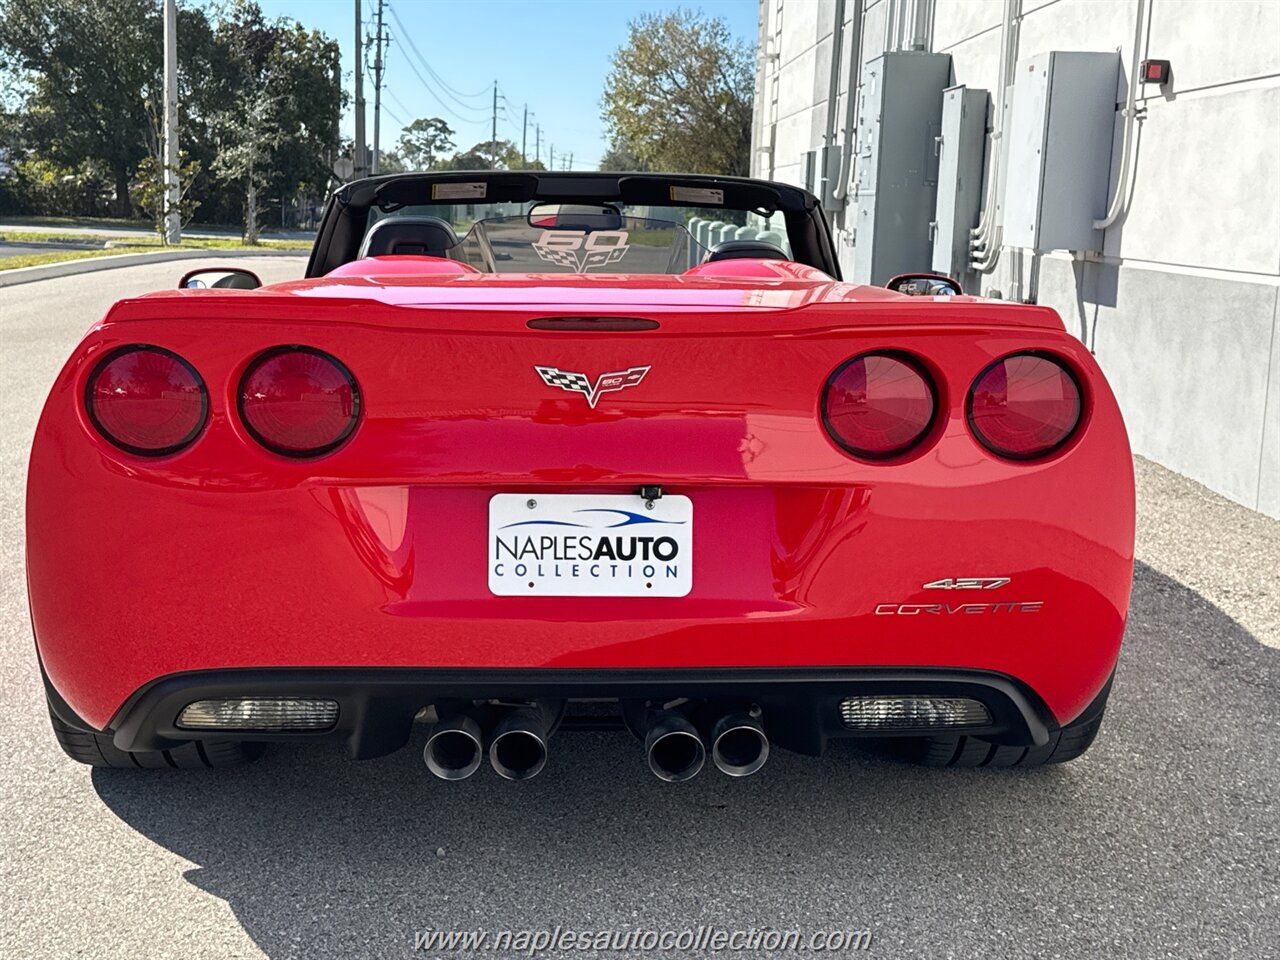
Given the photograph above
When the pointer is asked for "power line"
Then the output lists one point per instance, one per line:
(392, 114)
(518, 125)
(399, 102)
(444, 106)
(453, 94)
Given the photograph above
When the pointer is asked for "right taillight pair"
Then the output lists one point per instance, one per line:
(295, 401)
(881, 405)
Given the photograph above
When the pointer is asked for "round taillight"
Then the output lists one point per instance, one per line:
(1024, 406)
(298, 401)
(146, 400)
(878, 405)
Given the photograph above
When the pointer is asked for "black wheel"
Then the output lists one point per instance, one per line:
(97, 750)
(1065, 744)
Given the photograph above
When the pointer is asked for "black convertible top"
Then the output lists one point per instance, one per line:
(346, 214)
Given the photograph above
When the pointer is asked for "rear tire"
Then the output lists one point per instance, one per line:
(98, 750)
(1065, 744)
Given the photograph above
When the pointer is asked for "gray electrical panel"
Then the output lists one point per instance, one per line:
(1060, 140)
(897, 176)
(960, 152)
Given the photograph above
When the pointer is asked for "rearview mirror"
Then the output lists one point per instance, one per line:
(925, 285)
(232, 278)
(575, 216)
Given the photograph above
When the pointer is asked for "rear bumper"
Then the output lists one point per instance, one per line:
(225, 560)
(801, 707)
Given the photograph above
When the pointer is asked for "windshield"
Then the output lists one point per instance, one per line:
(563, 238)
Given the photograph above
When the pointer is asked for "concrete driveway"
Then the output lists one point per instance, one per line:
(1161, 842)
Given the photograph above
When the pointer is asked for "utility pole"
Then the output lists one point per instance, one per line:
(570, 166)
(551, 159)
(493, 137)
(377, 89)
(172, 189)
(358, 166)
(537, 142)
(524, 136)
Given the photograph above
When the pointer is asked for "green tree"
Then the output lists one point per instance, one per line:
(277, 131)
(622, 157)
(487, 155)
(80, 85)
(679, 93)
(87, 67)
(424, 142)
(149, 193)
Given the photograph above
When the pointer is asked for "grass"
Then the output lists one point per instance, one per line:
(77, 221)
(198, 243)
(39, 259)
(121, 246)
(108, 223)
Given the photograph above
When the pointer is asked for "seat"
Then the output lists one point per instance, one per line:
(408, 236)
(744, 250)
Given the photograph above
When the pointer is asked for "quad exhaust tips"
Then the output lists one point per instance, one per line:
(518, 750)
(739, 746)
(673, 747)
(455, 748)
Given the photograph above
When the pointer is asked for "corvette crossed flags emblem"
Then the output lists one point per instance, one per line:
(578, 382)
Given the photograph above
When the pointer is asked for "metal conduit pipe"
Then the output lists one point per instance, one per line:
(1012, 9)
(850, 103)
(1130, 114)
(833, 84)
(988, 237)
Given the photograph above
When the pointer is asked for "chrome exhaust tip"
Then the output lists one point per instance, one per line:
(673, 747)
(739, 746)
(518, 750)
(454, 749)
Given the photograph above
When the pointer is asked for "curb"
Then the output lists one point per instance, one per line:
(68, 268)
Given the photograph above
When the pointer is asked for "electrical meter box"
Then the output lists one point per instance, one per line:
(899, 122)
(960, 151)
(1060, 134)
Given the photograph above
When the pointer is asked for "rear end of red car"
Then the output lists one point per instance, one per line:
(726, 518)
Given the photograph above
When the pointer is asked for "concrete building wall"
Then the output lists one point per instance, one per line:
(1182, 308)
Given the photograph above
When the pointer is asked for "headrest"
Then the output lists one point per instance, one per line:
(744, 250)
(408, 236)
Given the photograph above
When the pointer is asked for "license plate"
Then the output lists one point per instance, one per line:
(571, 545)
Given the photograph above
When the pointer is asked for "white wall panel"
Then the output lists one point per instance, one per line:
(961, 20)
(1214, 43)
(1206, 187)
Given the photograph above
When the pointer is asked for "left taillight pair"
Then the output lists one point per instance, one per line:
(882, 405)
(295, 401)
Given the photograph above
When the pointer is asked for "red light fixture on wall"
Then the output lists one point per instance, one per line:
(1156, 71)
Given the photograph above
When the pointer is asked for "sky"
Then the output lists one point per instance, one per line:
(552, 55)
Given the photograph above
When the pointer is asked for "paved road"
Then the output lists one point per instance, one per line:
(1161, 842)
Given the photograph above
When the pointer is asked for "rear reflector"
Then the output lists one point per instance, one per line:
(259, 714)
(912, 713)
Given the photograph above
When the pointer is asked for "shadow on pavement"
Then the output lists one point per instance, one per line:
(1154, 842)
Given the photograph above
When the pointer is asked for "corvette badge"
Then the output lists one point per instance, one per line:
(578, 382)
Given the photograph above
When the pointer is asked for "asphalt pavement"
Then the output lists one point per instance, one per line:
(1161, 842)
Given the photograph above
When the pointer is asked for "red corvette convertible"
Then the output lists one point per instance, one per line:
(533, 452)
